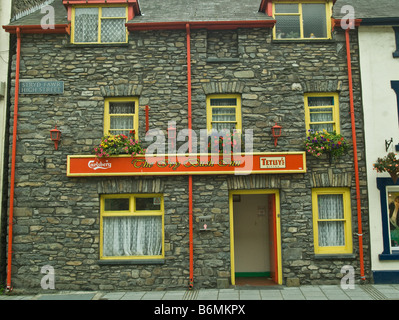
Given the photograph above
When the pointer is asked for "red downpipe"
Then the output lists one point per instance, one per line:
(14, 150)
(190, 178)
(355, 159)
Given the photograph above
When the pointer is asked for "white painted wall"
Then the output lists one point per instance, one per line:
(5, 14)
(378, 69)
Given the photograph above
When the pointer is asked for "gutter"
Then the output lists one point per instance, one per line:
(58, 28)
(210, 25)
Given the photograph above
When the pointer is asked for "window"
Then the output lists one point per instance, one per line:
(224, 112)
(99, 24)
(302, 20)
(332, 221)
(132, 226)
(121, 116)
(322, 112)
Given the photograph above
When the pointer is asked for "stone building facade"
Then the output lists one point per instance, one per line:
(57, 218)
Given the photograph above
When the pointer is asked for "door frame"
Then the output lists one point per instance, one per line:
(278, 228)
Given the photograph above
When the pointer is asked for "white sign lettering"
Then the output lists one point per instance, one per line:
(99, 165)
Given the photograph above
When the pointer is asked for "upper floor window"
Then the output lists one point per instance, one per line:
(302, 20)
(121, 116)
(224, 112)
(103, 24)
(322, 112)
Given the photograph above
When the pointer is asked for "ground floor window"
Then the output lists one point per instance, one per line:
(332, 220)
(132, 226)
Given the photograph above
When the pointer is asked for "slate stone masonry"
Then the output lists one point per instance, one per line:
(57, 218)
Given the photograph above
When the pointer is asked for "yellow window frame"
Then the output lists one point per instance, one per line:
(100, 18)
(132, 212)
(334, 109)
(107, 115)
(348, 247)
(237, 107)
(328, 6)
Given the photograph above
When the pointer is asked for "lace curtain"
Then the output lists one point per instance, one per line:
(224, 117)
(323, 114)
(132, 236)
(121, 117)
(112, 25)
(86, 24)
(331, 233)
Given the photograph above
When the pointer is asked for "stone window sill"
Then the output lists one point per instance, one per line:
(274, 41)
(222, 60)
(96, 45)
(131, 262)
(334, 256)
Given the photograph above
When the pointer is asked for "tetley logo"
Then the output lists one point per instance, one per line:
(99, 165)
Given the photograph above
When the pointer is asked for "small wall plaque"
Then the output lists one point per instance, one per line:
(41, 87)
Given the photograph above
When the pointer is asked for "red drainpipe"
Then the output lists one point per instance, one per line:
(190, 178)
(355, 159)
(14, 149)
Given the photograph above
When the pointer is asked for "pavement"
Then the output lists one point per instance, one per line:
(273, 293)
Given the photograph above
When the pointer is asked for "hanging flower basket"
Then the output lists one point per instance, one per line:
(389, 164)
(332, 144)
(112, 145)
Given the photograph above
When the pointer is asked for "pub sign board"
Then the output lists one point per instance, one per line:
(193, 164)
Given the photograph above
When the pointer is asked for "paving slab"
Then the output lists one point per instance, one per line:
(71, 296)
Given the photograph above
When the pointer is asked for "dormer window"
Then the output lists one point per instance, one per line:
(302, 20)
(101, 24)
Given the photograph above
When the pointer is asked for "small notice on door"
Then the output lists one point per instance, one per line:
(272, 162)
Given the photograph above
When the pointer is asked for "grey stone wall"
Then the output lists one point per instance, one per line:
(57, 218)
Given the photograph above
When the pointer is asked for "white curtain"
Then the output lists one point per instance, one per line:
(120, 124)
(321, 114)
(132, 236)
(224, 114)
(331, 233)
(86, 25)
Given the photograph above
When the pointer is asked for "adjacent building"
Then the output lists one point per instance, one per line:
(171, 75)
(379, 65)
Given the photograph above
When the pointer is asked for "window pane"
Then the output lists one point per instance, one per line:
(123, 123)
(148, 203)
(331, 206)
(224, 114)
(331, 233)
(132, 236)
(116, 204)
(121, 107)
(113, 30)
(321, 115)
(320, 101)
(86, 25)
(220, 126)
(114, 12)
(286, 8)
(329, 127)
(224, 102)
(288, 27)
(314, 20)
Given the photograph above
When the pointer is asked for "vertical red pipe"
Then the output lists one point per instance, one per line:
(14, 149)
(190, 178)
(355, 159)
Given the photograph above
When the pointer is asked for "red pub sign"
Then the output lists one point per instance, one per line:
(194, 164)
